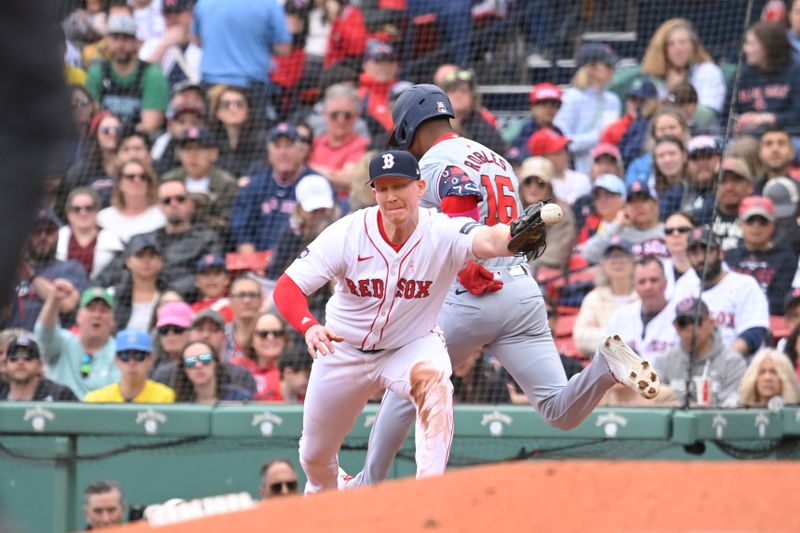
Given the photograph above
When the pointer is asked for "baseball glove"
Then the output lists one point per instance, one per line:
(528, 233)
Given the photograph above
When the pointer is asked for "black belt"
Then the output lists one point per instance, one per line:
(368, 351)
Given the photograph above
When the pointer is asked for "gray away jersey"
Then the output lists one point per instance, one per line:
(458, 166)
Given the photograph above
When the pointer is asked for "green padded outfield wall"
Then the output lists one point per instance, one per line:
(49, 452)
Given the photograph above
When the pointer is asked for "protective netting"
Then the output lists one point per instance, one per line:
(202, 144)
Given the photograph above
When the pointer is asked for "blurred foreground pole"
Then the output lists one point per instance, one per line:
(34, 120)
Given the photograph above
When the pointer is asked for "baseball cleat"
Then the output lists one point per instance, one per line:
(343, 479)
(628, 368)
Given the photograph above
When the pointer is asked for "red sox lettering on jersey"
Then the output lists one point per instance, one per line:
(735, 303)
(385, 298)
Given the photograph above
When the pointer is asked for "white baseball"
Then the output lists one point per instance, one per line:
(551, 213)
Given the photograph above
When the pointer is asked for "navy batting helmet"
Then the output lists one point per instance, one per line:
(414, 106)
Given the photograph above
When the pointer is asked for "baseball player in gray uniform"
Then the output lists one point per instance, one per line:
(496, 303)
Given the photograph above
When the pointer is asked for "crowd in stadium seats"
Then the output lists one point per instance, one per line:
(214, 139)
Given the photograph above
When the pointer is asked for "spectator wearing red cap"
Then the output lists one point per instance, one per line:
(568, 185)
(181, 115)
(587, 106)
(757, 255)
(545, 101)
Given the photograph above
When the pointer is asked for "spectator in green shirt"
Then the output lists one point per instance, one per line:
(134, 90)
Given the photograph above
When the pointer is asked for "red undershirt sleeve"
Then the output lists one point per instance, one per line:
(461, 206)
(293, 304)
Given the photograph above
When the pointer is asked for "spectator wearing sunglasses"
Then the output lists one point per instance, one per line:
(37, 271)
(97, 163)
(535, 175)
(336, 152)
(676, 235)
(81, 239)
(24, 380)
(172, 330)
(133, 202)
(701, 350)
(201, 378)
(134, 360)
(181, 242)
(770, 264)
(278, 478)
(263, 349)
(212, 189)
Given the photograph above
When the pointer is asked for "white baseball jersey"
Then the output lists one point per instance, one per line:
(736, 303)
(479, 172)
(385, 299)
(656, 339)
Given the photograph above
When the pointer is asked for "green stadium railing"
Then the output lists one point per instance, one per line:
(49, 452)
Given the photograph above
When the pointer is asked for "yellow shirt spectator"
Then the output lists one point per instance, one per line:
(74, 75)
(151, 393)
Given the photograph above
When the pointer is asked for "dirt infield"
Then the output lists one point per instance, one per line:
(575, 496)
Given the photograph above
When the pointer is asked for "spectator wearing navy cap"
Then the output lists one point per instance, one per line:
(641, 104)
(174, 51)
(757, 255)
(24, 380)
(38, 269)
(705, 154)
(212, 189)
(378, 76)
(545, 100)
(212, 281)
(262, 208)
(568, 184)
(637, 223)
(140, 284)
(587, 106)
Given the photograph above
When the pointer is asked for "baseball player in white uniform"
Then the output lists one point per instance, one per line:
(496, 304)
(392, 265)
(735, 301)
(646, 324)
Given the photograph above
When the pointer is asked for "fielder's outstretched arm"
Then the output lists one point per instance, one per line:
(492, 241)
